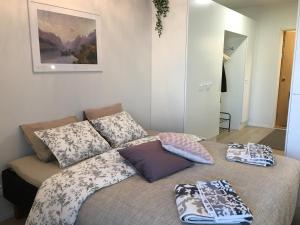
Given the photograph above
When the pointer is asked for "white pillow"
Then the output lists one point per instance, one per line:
(186, 146)
(119, 128)
(73, 143)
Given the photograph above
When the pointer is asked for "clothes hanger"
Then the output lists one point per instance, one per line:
(226, 57)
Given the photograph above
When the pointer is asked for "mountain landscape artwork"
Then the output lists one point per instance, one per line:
(66, 39)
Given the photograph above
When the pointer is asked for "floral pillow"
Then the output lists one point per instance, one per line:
(187, 146)
(119, 128)
(73, 143)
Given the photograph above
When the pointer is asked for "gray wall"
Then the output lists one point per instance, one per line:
(28, 97)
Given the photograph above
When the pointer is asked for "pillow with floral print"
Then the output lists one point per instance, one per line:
(119, 128)
(74, 142)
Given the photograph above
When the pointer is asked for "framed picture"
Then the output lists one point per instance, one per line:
(64, 39)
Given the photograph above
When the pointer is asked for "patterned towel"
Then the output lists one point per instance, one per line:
(212, 202)
(254, 154)
(189, 204)
(223, 204)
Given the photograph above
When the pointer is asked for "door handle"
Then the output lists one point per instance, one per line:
(283, 79)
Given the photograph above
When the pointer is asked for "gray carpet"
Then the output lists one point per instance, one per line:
(276, 139)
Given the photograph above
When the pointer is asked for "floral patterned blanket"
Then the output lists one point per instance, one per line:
(60, 197)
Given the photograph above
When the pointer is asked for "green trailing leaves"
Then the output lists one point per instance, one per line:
(162, 9)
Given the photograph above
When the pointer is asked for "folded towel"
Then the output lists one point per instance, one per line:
(222, 203)
(254, 154)
(213, 202)
(190, 206)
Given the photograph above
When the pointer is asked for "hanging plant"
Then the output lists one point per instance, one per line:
(162, 9)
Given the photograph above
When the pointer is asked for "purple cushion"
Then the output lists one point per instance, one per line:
(152, 161)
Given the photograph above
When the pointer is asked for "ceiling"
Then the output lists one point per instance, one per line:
(236, 4)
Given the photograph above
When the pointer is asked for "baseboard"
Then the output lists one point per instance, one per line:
(251, 124)
(244, 124)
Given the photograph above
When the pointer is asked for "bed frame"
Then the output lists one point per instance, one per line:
(17, 191)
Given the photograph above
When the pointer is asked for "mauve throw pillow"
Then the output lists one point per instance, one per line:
(153, 162)
(185, 146)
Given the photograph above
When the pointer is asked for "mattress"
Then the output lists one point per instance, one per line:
(33, 170)
(271, 193)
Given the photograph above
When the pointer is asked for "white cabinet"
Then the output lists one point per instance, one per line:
(187, 66)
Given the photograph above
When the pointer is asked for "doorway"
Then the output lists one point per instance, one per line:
(285, 78)
(233, 85)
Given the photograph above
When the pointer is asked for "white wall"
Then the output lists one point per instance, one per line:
(293, 131)
(28, 97)
(271, 21)
(169, 69)
(207, 24)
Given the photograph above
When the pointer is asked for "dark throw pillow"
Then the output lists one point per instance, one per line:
(153, 162)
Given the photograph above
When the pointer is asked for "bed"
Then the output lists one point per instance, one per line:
(270, 193)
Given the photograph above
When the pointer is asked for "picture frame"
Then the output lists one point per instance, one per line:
(64, 39)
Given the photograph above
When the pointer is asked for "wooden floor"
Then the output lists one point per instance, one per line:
(246, 135)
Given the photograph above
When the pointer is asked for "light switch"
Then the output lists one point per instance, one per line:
(205, 86)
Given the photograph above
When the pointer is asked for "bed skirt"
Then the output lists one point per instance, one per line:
(17, 191)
